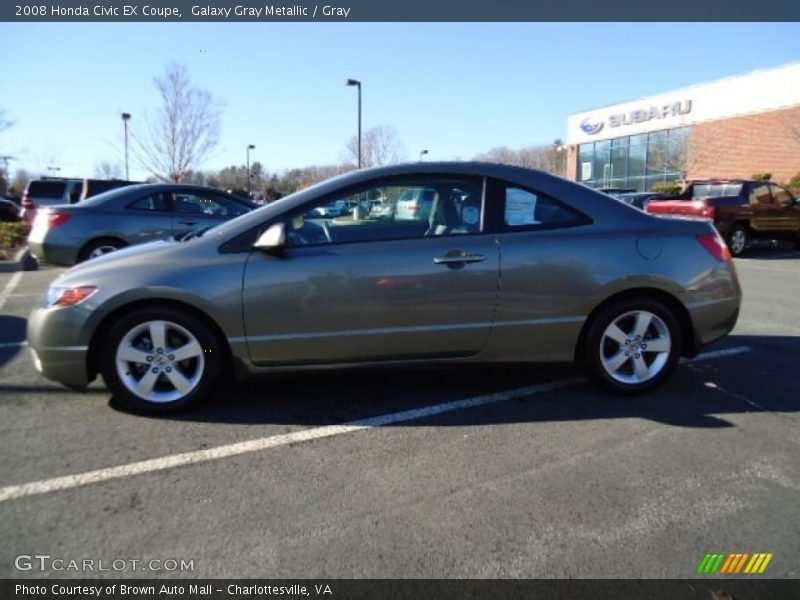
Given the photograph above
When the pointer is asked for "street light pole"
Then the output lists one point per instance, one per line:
(357, 83)
(249, 192)
(125, 118)
(421, 154)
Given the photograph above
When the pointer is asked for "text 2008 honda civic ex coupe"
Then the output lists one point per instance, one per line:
(505, 265)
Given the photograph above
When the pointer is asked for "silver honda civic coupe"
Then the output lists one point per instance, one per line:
(508, 265)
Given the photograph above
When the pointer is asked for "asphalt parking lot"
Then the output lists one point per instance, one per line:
(556, 480)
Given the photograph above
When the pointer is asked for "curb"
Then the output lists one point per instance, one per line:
(23, 261)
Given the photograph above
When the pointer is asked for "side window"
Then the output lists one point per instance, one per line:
(760, 195)
(781, 196)
(207, 205)
(524, 208)
(153, 202)
(407, 210)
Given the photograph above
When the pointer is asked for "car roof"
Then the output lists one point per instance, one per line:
(588, 200)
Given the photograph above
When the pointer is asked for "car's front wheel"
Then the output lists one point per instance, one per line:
(632, 345)
(159, 360)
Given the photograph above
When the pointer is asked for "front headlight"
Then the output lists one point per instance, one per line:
(68, 296)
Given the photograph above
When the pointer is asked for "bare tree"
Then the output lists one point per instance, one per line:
(545, 157)
(184, 130)
(379, 146)
(107, 170)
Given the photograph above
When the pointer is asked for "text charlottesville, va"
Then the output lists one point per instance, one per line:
(269, 10)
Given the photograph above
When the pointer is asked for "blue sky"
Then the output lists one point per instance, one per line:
(454, 89)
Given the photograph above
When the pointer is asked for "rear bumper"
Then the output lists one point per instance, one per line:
(713, 320)
(56, 254)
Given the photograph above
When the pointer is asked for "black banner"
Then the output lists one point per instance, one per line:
(405, 10)
(743, 588)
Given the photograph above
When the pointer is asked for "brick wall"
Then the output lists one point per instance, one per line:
(742, 146)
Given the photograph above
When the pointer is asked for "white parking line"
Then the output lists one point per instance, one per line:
(199, 456)
(9, 287)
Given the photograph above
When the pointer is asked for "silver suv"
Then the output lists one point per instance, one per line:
(48, 192)
(41, 193)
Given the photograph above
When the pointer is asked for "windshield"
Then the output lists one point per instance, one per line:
(715, 190)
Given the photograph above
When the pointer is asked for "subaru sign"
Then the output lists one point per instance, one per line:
(591, 125)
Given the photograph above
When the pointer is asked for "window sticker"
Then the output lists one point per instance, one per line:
(471, 215)
(520, 207)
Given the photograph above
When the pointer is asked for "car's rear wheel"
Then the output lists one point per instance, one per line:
(632, 346)
(738, 239)
(159, 360)
(100, 247)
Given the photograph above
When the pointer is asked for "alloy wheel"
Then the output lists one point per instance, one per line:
(160, 361)
(101, 250)
(635, 347)
(738, 241)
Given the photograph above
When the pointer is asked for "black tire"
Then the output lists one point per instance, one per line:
(738, 239)
(597, 345)
(203, 372)
(111, 243)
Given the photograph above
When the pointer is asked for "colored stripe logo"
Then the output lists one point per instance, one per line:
(734, 563)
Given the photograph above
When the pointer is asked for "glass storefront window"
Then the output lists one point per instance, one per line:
(636, 162)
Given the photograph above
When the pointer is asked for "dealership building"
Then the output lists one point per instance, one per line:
(733, 127)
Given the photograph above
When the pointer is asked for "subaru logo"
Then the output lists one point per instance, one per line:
(591, 125)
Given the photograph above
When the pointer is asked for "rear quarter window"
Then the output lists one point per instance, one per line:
(527, 209)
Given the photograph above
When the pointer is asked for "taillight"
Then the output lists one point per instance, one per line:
(715, 245)
(27, 203)
(706, 210)
(52, 219)
(413, 207)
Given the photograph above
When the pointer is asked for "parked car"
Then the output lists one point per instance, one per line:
(638, 199)
(742, 210)
(9, 211)
(615, 190)
(583, 278)
(415, 204)
(52, 191)
(94, 187)
(126, 216)
(48, 191)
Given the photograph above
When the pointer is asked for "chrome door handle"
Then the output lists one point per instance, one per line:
(464, 258)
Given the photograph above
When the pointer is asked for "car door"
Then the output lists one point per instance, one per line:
(145, 219)
(194, 209)
(787, 211)
(353, 288)
(547, 272)
(767, 214)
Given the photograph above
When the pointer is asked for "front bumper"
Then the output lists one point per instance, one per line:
(59, 350)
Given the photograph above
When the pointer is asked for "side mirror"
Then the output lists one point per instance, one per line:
(274, 238)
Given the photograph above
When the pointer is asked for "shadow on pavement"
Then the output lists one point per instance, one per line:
(772, 251)
(698, 394)
(12, 331)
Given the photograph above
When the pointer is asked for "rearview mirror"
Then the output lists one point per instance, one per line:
(274, 238)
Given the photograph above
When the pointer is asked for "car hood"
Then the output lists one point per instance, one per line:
(131, 258)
